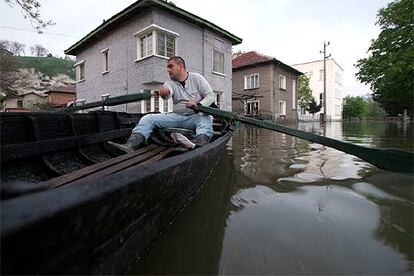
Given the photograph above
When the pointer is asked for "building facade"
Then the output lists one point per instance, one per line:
(334, 88)
(60, 96)
(264, 87)
(23, 102)
(128, 54)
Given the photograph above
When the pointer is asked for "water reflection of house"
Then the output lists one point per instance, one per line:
(265, 155)
(264, 87)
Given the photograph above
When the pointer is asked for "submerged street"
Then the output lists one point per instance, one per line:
(281, 205)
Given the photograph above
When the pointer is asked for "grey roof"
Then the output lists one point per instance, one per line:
(137, 7)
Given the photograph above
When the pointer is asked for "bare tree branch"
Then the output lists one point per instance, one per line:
(31, 11)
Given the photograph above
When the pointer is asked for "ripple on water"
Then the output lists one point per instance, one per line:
(297, 166)
(303, 177)
(368, 189)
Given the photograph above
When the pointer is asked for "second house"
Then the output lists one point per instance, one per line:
(264, 87)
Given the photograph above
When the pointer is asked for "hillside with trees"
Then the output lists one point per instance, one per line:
(20, 74)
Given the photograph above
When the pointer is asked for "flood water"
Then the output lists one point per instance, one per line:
(281, 205)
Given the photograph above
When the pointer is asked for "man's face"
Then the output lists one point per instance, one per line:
(174, 69)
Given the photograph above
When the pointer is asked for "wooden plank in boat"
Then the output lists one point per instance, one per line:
(61, 180)
(123, 165)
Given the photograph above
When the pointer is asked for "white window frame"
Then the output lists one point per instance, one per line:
(80, 67)
(293, 94)
(247, 81)
(164, 105)
(252, 103)
(282, 111)
(220, 71)
(321, 75)
(105, 65)
(282, 82)
(155, 30)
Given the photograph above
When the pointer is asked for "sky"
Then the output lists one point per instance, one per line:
(292, 31)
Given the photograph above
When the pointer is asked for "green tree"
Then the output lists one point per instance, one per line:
(304, 92)
(355, 107)
(389, 69)
(313, 107)
(375, 110)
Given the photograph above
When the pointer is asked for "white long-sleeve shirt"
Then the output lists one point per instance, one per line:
(196, 88)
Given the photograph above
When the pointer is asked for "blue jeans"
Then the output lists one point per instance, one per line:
(201, 123)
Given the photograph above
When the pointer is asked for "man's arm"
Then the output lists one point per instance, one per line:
(208, 99)
(205, 91)
(164, 92)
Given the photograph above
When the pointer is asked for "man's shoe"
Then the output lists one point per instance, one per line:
(135, 141)
(202, 140)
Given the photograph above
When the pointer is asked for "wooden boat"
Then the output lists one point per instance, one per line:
(72, 204)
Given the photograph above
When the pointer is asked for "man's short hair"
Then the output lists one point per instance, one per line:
(179, 60)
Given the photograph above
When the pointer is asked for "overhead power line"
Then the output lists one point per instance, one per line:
(33, 31)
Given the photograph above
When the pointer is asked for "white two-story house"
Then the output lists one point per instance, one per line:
(128, 54)
(334, 88)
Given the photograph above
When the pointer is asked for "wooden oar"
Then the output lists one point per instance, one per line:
(387, 159)
(111, 101)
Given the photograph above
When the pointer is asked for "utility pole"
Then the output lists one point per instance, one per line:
(325, 44)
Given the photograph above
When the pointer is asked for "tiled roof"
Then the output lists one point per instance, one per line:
(250, 58)
(64, 89)
(253, 57)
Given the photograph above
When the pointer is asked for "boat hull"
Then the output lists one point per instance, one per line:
(100, 226)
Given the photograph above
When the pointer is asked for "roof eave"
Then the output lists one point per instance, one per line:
(271, 61)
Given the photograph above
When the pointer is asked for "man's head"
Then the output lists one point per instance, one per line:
(176, 68)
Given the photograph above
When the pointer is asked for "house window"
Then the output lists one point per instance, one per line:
(156, 104)
(218, 62)
(165, 106)
(282, 108)
(165, 45)
(252, 108)
(155, 40)
(338, 94)
(251, 81)
(148, 105)
(321, 99)
(282, 82)
(338, 78)
(145, 43)
(293, 94)
(19, 103)
(320, 75)
(217, 98)
(80, 70)
(105, 67)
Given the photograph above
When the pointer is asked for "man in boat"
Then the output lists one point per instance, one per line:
(187, 90)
